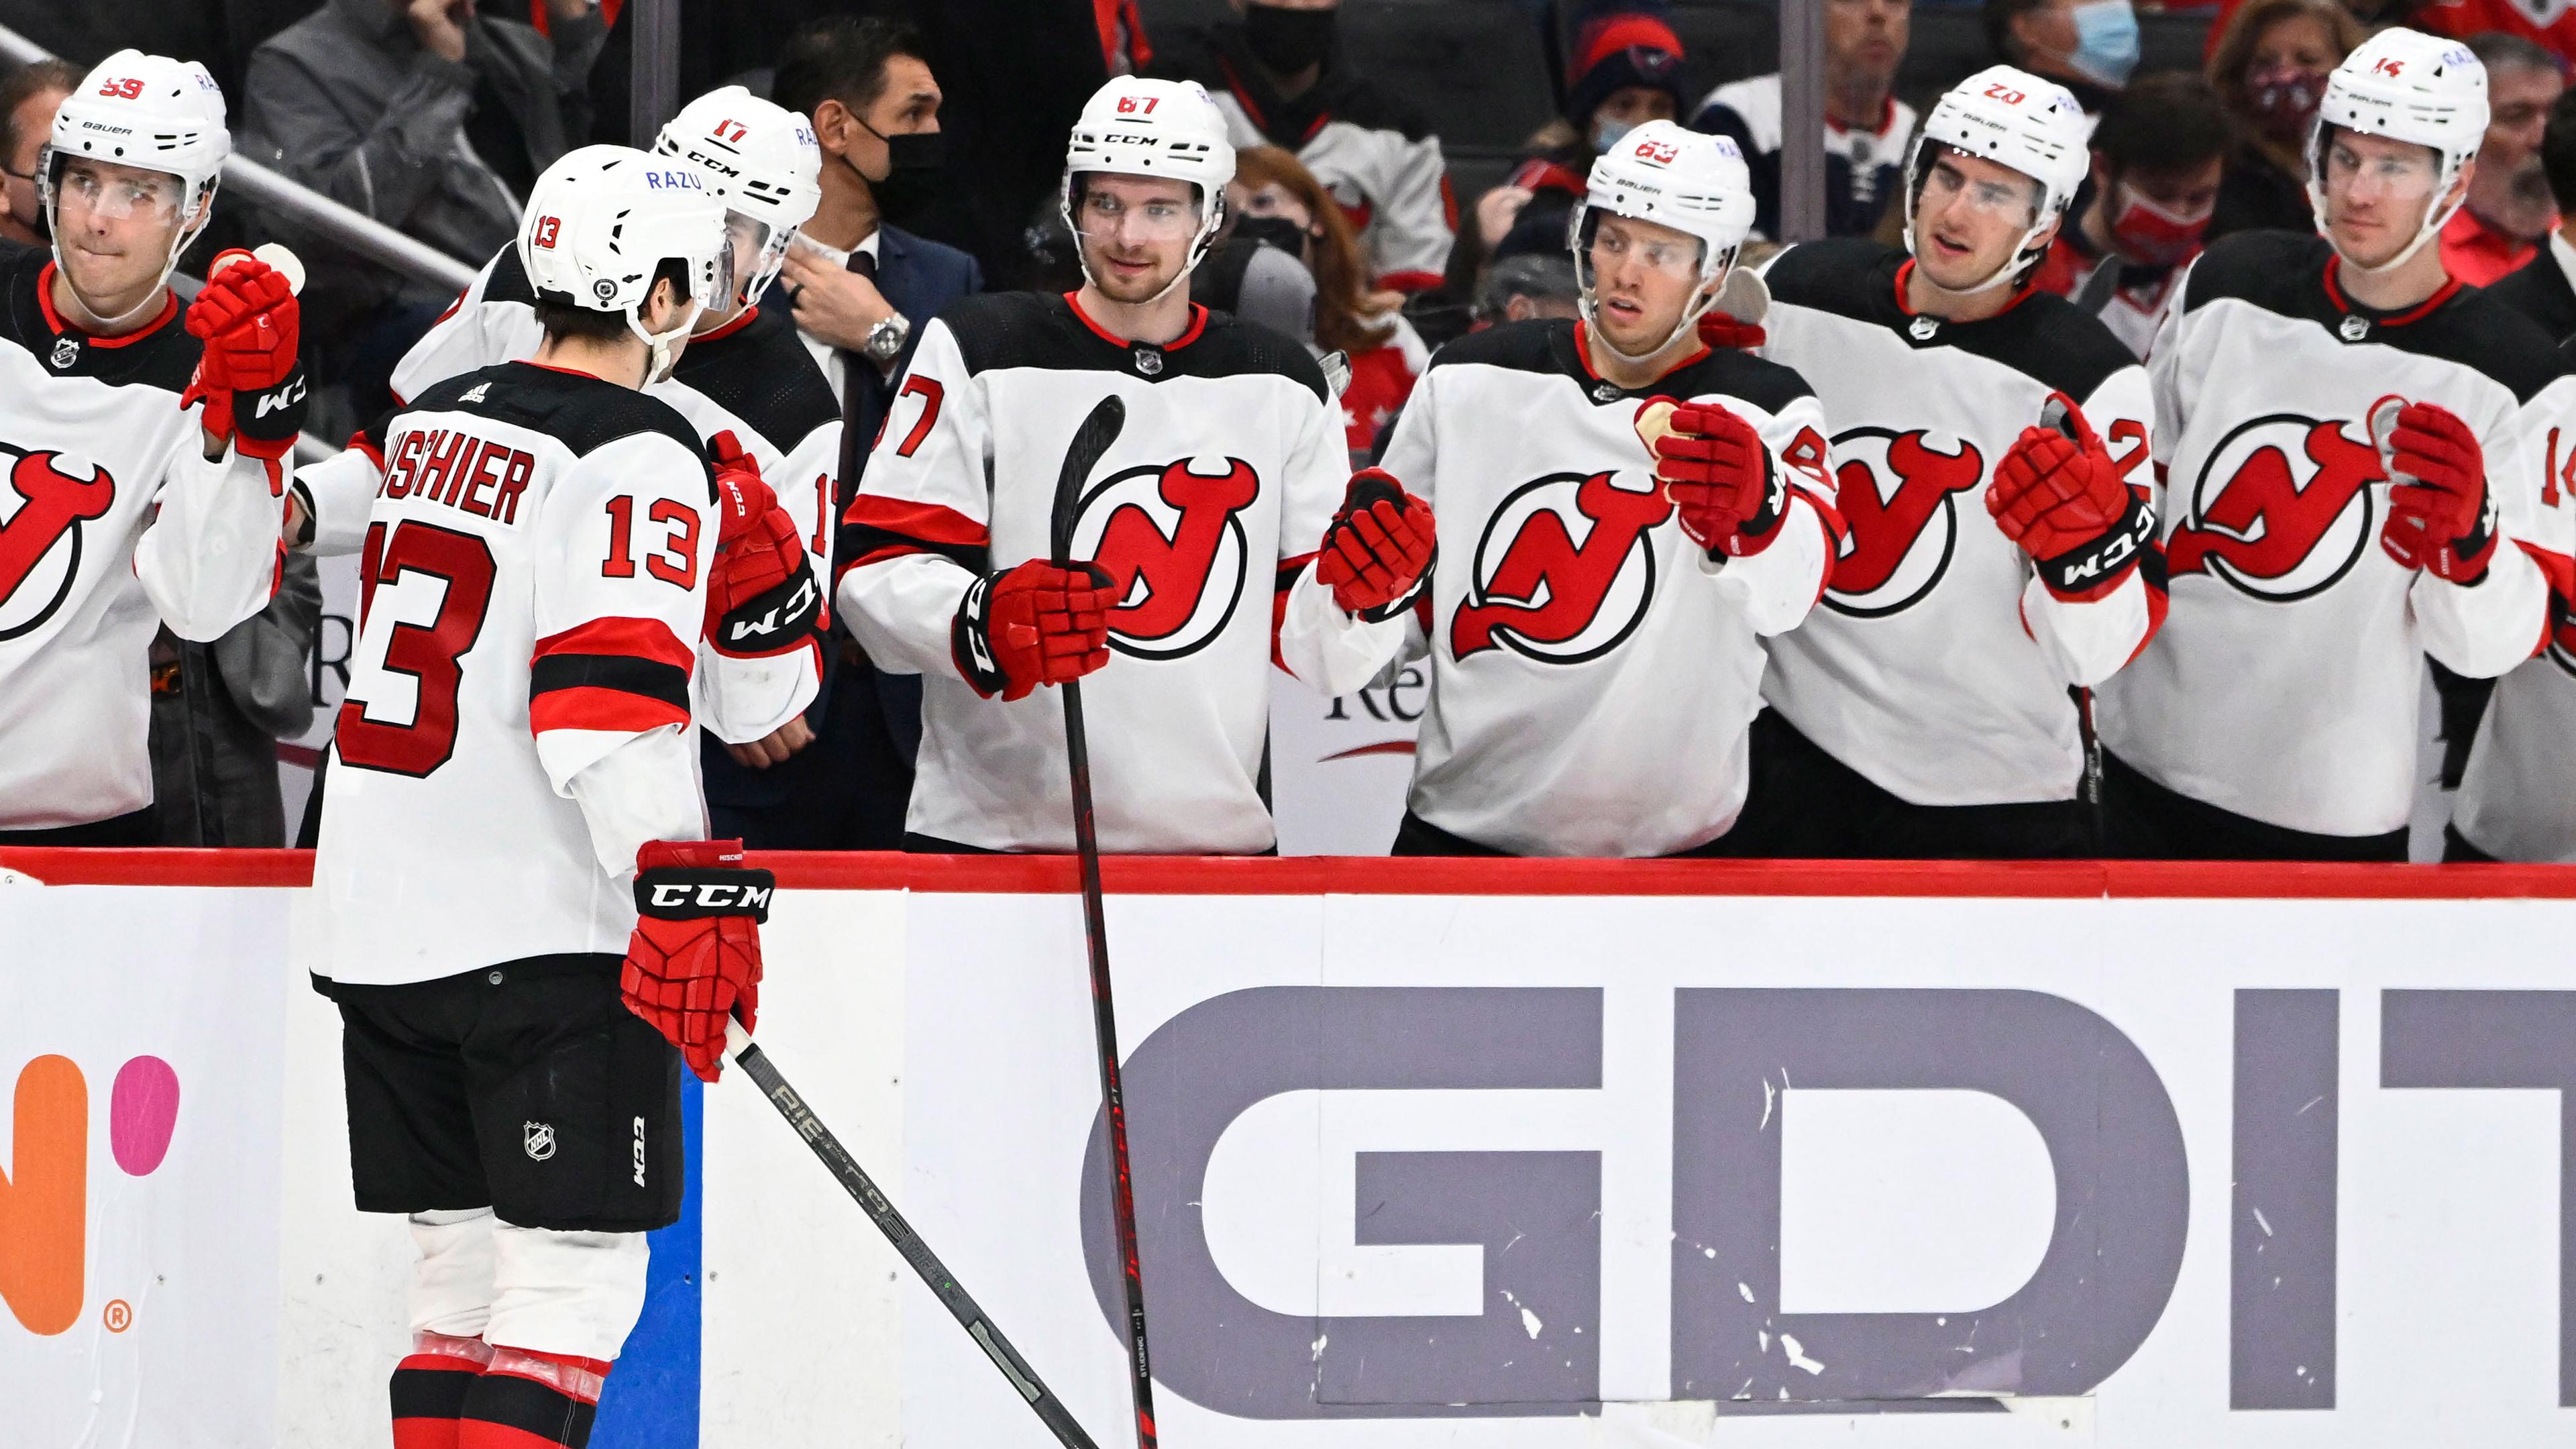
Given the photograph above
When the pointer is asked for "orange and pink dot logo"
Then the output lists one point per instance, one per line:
(44, 1191)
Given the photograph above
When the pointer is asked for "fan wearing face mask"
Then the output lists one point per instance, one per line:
(2088, 46)
(1281, 77)
(2270, 62)
(2157, 158)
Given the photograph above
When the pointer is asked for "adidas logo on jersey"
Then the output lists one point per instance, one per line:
(476, 393)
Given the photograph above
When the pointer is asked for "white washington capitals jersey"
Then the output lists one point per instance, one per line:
(1205, 512)
(1593, 672)
(112, 522)
(751, 377)
(2286, 682)
(1939, 664)
(533, 586)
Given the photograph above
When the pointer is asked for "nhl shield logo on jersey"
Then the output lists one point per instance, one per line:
(538, 1139)
(2281, 508)
(1537, 589)
(1898, 495)
(40, 535)
(1171, 536)
(67, 350)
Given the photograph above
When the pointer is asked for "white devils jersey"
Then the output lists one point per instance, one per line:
(751, 377)
(518, 714)
(2517, 799)
(1205, 512)
(1939, 664)
(2285, 684)
(111, 522)
(1593, 672)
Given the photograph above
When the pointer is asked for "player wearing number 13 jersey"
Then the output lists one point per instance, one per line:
(2352, 450)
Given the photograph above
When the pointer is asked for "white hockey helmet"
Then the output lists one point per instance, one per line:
(601, 222)
(1660, 172)
(763, 163)
(2407, 86)
(1138, 127)
(145, 111)
(2015, 119)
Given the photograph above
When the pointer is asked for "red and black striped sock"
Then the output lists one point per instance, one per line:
(527, 1400)
(429, 1388)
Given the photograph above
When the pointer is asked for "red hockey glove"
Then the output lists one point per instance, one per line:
(1031, 625)
(1721, 331)
(2063, 501)
(695, 957)
(2440, 516)
(1713, 466)
(761, 597)
(247, 375)
(1379, 548)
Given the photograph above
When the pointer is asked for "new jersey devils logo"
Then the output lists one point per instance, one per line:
(2281, 508)
(1897, 493)
(1535, 588)
(40, 539)
(1172, 540)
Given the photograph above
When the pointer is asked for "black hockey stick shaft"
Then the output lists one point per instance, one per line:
(864, 1191)
(2054, 416)
(1090, 441)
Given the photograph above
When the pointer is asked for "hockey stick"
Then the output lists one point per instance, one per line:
(2054, 417)
(1091, 440)
(863, 1190)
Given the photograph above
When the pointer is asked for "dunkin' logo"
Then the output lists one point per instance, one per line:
(44, 1188)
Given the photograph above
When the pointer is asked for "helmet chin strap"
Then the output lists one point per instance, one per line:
(1691, 314)
(661, 348)
(1198, 244)
(2434, 220)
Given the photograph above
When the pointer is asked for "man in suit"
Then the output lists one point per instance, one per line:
(861, 291)
(2545, 289)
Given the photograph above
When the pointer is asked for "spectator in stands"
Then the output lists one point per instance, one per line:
(1866, 126)
(2509, 208)
(2552, 27)
(2088, 46)
(2270, 67)
(28, 100)
(1282, 78)
(430, 117)
(1283, 203)
(860, 291)
(2545, 291)
(1627, 70)
(1518, 288)
(2157, 158)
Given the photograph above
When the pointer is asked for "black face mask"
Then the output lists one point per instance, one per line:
(1274, 231)
(916, 163)
(1287, 41)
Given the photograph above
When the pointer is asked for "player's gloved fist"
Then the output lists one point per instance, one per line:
(2062, 499)
(248, 376)
(2440, 516)
(695, 957)
(1031, 625)
(1721, 330)
(1713, 466)
(1379, 548)
(743, 498)
(761, 597)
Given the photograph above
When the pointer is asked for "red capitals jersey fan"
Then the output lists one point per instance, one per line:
(534, 587)
(1940, 662)
(1592, 668)
(112, 521)
(2285, 685)
(1210, 502)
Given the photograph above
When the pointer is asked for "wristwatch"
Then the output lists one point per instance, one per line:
(886, 339)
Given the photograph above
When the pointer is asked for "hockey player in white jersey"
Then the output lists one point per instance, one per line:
(2354, 452)
(139, 474)
(1193, 532)
(513, 779)
(1629, 514)
(1991, 564)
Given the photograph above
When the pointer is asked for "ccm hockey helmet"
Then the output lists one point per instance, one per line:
(762, 163)
(2014, 119)
(2407, 86)
(602, 220)
(1661, 173)
(149, 112)
(1138, 127)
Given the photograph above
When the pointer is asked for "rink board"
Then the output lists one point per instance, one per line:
(1511, 1154)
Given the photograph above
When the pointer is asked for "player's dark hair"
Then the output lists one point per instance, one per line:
(842, 58)
(2558, 151)
(2164, 122)
(24, 83)
(568, 323)
(1998, 16)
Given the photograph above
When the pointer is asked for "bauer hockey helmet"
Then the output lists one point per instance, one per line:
(602, 220)
(1696, 184)
(2014, 119)
(149, 112)
(2407, 86)
(764, 166)
(1138, 127)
